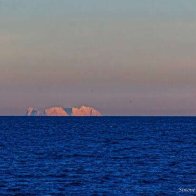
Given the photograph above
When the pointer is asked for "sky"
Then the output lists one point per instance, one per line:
(124, 57)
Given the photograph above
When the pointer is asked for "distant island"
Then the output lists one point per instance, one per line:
(61, 111)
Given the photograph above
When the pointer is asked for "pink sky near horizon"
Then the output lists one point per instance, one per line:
(123, 59)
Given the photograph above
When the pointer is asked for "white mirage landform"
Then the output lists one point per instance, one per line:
(61, 111)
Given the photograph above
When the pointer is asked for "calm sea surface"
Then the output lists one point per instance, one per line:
(97, 156)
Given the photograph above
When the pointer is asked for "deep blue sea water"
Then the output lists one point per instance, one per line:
(97, 156)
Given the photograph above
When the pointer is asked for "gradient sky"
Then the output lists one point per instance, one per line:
(124, 57)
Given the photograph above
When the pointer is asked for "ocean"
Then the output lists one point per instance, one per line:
(97, 155)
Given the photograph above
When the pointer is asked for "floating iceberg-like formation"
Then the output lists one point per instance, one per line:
(60, 111)
(55, 111)
(85, 111)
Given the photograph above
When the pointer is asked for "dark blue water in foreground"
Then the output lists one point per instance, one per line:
(97, 156)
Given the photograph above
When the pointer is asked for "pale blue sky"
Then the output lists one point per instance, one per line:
(131, 57)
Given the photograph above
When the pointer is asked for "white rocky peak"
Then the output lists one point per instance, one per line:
(32, 112)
